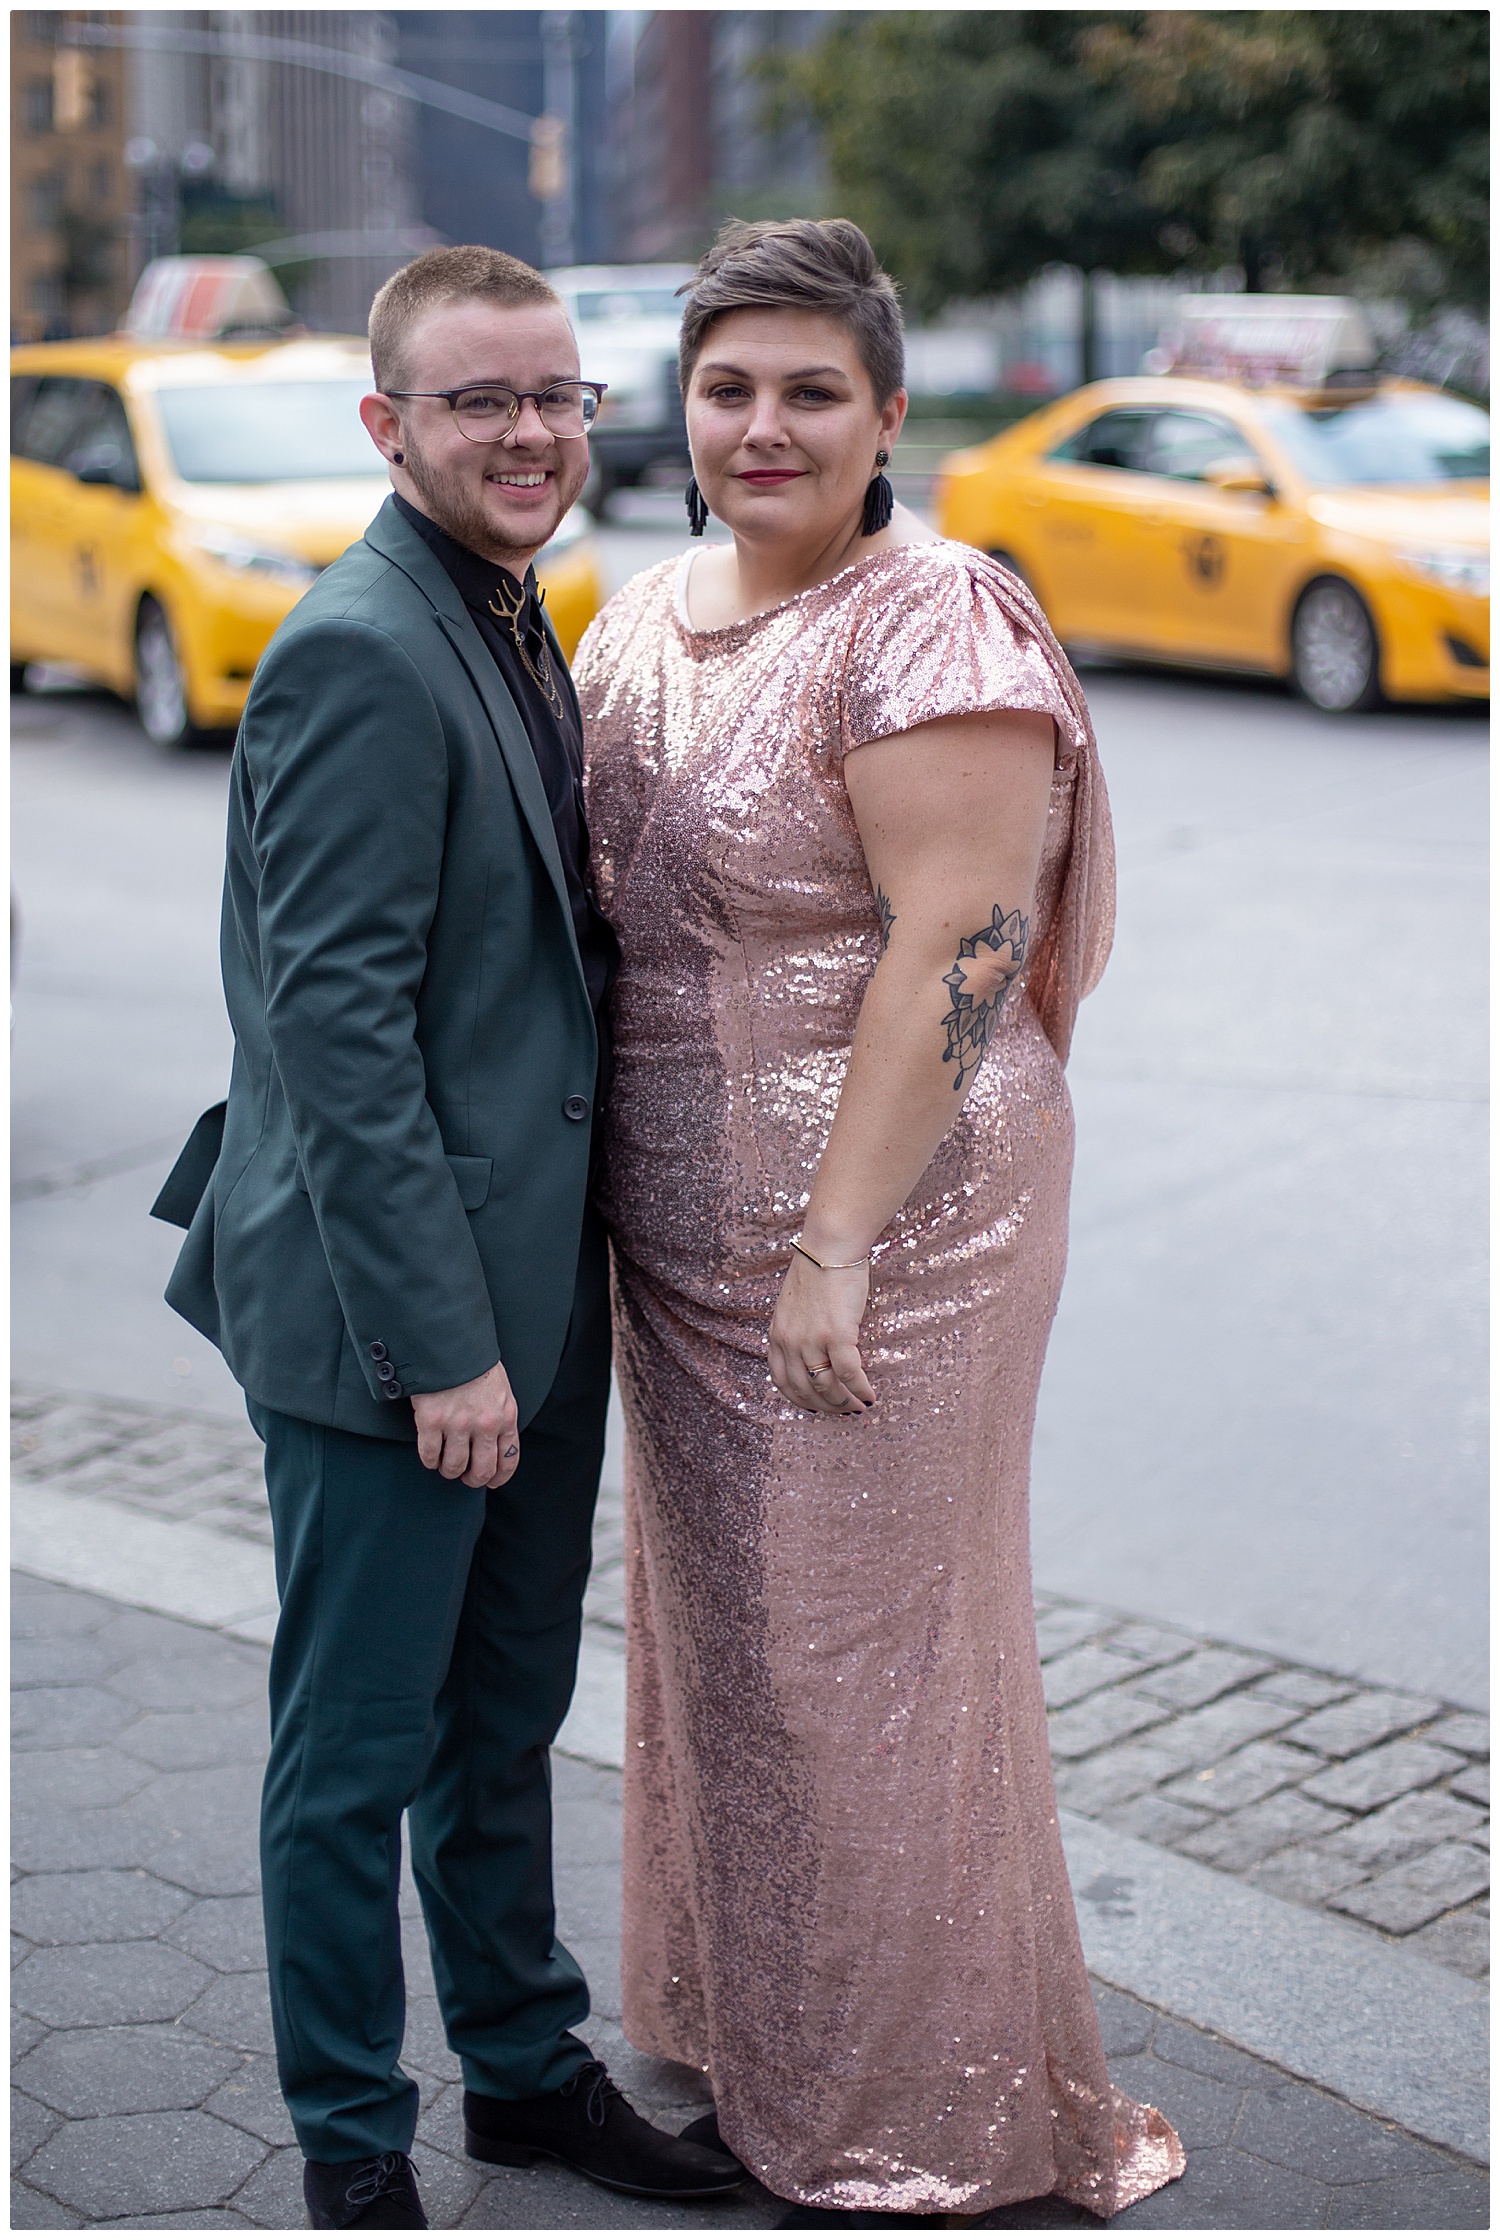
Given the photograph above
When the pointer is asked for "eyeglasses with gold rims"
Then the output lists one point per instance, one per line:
(486, 413)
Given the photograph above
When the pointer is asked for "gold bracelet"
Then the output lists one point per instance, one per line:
(830, 1267)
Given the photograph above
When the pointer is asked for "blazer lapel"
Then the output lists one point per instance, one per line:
(397, 542)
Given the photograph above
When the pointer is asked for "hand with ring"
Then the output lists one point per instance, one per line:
(813, 1353)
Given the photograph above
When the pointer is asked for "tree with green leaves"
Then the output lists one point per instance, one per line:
(977, 147)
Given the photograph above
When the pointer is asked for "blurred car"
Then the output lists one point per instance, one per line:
(171, 501)
(1277, 517)
(627, 318)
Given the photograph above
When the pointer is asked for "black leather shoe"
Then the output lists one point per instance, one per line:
(591, 2126)
(377, 2194)
(705, 2133)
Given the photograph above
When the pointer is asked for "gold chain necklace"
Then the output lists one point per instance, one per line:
(511, 615)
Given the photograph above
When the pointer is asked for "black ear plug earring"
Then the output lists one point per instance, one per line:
(880, 499)
(398, 458)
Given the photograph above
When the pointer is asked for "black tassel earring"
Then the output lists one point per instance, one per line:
(697, 511)
(880, 499)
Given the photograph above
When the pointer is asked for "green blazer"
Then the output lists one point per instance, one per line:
(399, 1194)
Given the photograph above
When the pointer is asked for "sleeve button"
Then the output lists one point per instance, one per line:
(378, 1352)
(575, 1108)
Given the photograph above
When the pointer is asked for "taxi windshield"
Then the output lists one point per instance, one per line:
(269, 431)
(1386, 439)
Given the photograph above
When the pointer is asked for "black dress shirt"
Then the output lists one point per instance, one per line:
(547, 708)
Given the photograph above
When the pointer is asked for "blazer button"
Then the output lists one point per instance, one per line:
(575, 1108)
(378, 1352)
(393, 1390)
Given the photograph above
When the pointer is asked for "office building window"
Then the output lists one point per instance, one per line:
(47, 200)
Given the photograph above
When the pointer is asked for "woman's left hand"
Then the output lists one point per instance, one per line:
(814, 1348)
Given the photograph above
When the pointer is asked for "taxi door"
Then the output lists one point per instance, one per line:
(1217, 564)
(46, 415)
(1086, 546)
(95, 532)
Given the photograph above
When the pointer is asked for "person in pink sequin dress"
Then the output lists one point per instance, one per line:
(850, 830)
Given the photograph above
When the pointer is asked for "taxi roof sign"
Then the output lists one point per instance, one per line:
(206, 299)
(1303, 341)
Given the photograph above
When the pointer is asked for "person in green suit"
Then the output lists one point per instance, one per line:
(395, 1252)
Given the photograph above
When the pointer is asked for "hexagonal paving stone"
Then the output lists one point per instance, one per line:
(40, 1611)
(1224, 2190)
(103, 1905)
(74, 1780)
(1453, 2200)
(1124, 2024)
(31, 2122)
(53, 1842)
(235, 2011)
(128, 2072)
(175, 1740)
(121, 2166)
(58, 1660)
(75, 1986)
(252, 2099)
(33, 2212)
(1304, 2130)
(60, 1718)
(1200, 2109)
(217, 1678)
(227, 1933)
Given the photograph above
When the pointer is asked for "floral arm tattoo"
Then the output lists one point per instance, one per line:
(887, 916)
(983, 971)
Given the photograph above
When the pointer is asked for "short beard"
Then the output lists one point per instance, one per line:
(462, 517)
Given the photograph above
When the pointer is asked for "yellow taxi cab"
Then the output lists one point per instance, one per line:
(1252, 509)
(172, 500)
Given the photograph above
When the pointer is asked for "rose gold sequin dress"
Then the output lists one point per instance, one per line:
(845, 1895)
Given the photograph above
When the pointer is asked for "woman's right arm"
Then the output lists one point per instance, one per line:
(952, 816)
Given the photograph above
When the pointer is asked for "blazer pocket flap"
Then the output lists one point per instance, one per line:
(471, 1175)
(473, 1179)
(181, 1194)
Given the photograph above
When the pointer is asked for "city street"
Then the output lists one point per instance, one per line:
(1261, 1413)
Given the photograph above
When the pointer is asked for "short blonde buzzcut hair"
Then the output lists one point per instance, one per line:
(444, 276)
(799, 264)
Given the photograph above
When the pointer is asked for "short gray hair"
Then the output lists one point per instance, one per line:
(799, 264)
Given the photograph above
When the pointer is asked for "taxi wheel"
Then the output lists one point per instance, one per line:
(1335, 649)
(160, 689)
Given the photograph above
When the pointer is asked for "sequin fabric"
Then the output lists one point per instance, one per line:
(845, 1895)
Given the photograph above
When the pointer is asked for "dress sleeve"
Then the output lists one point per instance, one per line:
(950, 632)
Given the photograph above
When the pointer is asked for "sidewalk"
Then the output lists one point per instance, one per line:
(145, 2094)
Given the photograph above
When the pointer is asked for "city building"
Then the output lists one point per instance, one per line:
(71, 194)
(548, 197)
(694, 132)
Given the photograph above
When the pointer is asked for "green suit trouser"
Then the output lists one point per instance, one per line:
(424, 1661)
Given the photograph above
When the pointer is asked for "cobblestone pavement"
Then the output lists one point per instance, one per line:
(144, 2089)
(1371, 1803)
